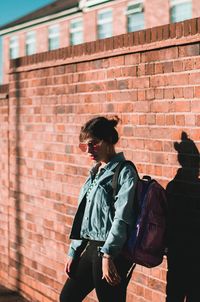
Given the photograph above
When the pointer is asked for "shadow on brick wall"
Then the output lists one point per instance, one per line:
(7, 295)
(184, 225)
(18, 223)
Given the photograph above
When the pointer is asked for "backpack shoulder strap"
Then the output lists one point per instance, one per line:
(117, 172)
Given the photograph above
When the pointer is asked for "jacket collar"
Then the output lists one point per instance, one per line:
(110, 166)
(107, 171)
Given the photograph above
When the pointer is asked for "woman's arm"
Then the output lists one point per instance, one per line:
(75, 249)
(123, 217)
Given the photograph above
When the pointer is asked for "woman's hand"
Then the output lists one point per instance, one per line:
(109, 271)
(68, 266)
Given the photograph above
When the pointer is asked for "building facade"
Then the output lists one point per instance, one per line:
(67, 22)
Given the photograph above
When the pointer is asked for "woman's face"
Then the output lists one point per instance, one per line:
(96, 149)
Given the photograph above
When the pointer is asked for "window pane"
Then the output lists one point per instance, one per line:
(181, 11)
(104, 26)
(77, 24)
(30, 43)
(76, 32)
(135, 16)
(14, 48)
(53, 43)
(105, 31)
(54, 40)
(53, 30)
(76, 38)
(135, 22)
(104, 15)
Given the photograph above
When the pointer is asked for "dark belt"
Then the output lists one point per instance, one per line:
(97, 245)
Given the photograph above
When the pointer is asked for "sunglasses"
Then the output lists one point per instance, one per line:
(90, 145)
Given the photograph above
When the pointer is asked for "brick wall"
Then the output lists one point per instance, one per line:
(4, 223)
(150, 79)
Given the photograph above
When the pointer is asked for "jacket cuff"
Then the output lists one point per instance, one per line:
(76, 248)
(112, 251)
(71, 253)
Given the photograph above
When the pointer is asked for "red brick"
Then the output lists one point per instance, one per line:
(195, 135)
(150, 94)
(189, 50)
(178, 93)
(179, 29)
(166, 32)
(194, 78)
(142, 119)
(141, 95)
(182, 106)
(159, 93)
(160, 107)
(116, 61)
(148, 35)
(178, 66)
(172, 30)
(190, 120)
(188, 64)
(142, 37)
(160, 119)
(198, 120)
(132, 59)
(188, 92)
(168, 93)
(158, 68)
(180, 120)
(153, 34)
(195, 106)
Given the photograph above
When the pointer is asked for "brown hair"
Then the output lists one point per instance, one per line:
(101, 128)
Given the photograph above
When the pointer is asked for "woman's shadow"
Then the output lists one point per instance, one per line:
(183, 194)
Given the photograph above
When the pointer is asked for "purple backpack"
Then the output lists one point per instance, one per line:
(147, 240)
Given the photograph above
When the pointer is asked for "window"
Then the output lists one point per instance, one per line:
(104, 24)
(180, 10)
(14, 47)
(54, 35)
(76, 32)
(30, 43)
(135, 16)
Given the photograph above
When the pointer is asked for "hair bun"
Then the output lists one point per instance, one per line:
(113, 122)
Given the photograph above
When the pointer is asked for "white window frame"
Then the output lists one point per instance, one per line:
(53, 35)
(30, 42)
(139, 8)
(104, 21)
(88, 3)
(136, 10)
(73, 31)
(14, 45)
(175, 2)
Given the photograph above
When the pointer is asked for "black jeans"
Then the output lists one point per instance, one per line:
(87, 275)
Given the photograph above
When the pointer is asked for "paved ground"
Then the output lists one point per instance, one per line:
(9, 296)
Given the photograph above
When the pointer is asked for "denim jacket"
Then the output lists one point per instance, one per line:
(102, 217)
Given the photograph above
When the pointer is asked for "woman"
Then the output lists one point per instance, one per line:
(101, 223)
